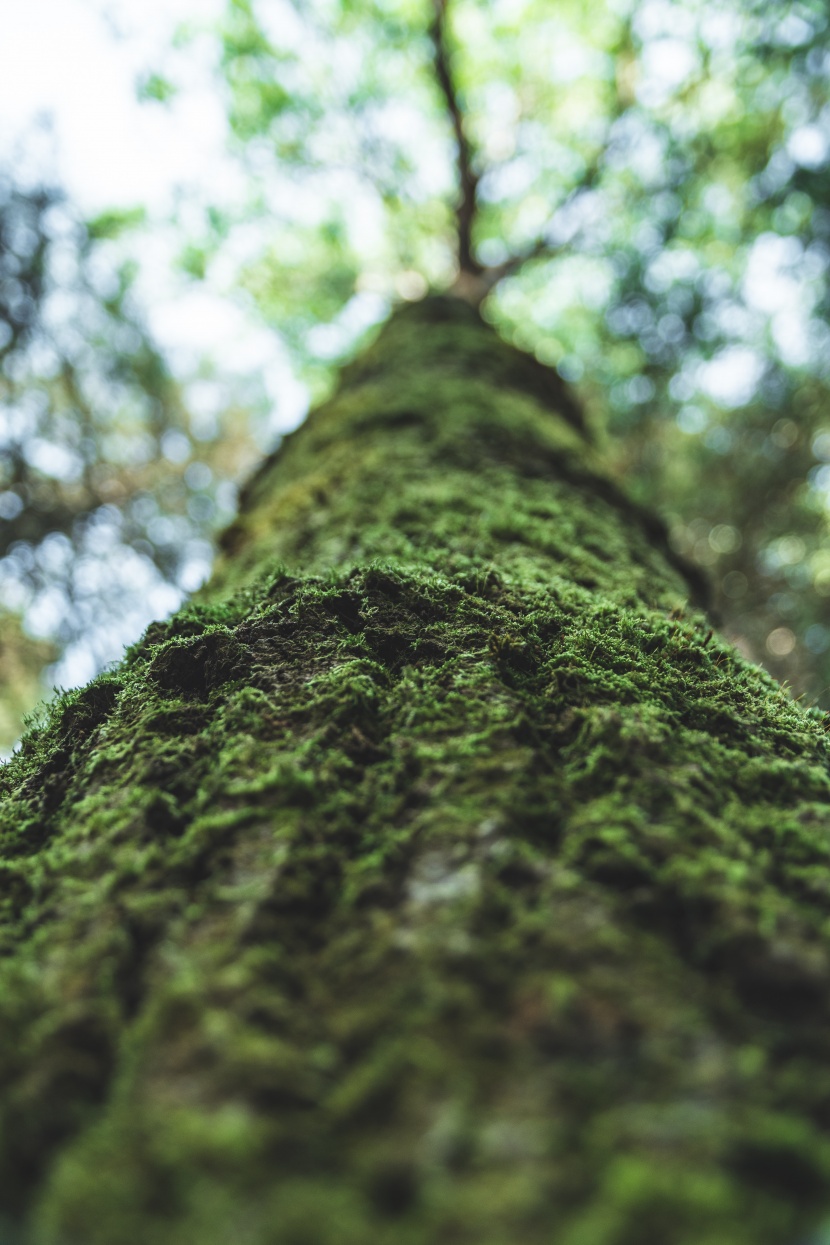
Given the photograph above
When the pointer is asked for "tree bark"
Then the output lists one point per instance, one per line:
(433, 878)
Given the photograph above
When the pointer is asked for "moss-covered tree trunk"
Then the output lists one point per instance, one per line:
(433, 879)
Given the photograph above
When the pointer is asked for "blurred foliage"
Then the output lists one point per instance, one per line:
(109, 487)
(22, 660)
(666, 163)
(672, 160)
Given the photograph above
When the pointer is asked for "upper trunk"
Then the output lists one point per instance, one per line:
(431, 879)
(446, 449)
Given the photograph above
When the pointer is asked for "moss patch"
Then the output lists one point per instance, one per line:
(468, 892)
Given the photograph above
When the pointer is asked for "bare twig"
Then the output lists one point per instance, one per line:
(488, 278)
(509, 267)
(468, 179)
(542, 248)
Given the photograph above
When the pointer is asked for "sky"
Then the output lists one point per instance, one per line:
(79, 60)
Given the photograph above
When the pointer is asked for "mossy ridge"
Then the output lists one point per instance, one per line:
(314, 932)
(436, 899)
(437, 451)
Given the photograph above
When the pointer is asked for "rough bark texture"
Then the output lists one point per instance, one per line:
(432, 878)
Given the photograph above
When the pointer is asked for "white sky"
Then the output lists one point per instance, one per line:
(78, 60)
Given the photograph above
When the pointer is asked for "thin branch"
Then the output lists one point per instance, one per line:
(474, 287)
(467, 178)
(509, 267)
(488, 278)
(542, 248)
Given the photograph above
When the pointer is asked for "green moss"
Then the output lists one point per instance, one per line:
(433, 879)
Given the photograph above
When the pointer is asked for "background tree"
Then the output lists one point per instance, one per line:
(109, 487)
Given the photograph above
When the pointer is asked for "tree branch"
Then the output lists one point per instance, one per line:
(467, 178)
(488, 278)
(540, 250)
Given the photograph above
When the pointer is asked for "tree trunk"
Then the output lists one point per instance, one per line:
(432, 878)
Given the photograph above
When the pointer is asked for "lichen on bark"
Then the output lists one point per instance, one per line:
(434, 877)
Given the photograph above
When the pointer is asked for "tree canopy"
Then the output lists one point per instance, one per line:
(637, 191)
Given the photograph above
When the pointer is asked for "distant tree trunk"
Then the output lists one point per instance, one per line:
(432, 879)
